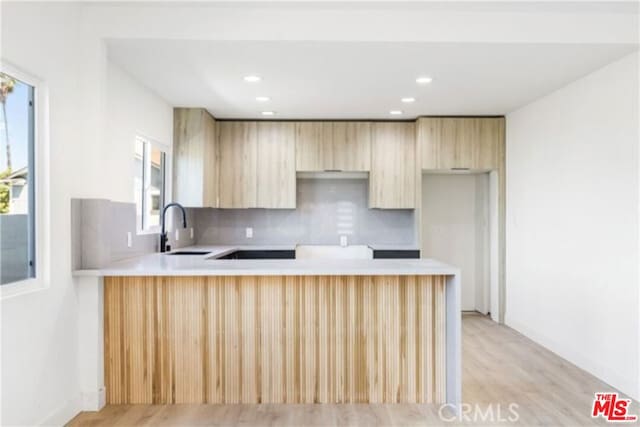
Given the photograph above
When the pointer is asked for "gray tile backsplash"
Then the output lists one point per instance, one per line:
(326, 209)
(99, 233)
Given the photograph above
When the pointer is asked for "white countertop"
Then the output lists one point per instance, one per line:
(158, 264)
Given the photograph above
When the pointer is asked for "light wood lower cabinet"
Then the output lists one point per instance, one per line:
(275, 339)
(392, 181)
(195, 163)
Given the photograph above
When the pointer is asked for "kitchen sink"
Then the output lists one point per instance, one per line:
(260, 254)
(188, 253)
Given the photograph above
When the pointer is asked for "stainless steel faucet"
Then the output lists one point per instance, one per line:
(163, 233)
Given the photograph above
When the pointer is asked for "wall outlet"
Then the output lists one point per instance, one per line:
(249, 232)
(191, 233)
(343, 241)
(129, 239)
(177, 234)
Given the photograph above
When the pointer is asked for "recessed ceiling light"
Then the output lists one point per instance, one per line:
(395, 112)
(262, 98)
(408, 100)
(423, 80)
(268, 113)
(252, 79)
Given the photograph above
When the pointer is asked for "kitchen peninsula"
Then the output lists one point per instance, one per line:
(197, 329)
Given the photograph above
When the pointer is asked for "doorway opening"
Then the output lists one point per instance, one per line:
(460, 227)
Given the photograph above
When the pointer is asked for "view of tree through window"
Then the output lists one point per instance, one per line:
(17, 218)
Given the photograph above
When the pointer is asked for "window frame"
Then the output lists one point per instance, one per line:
(166, 190)
(39, 158)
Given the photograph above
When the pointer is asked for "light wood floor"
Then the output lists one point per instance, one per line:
(500, 367)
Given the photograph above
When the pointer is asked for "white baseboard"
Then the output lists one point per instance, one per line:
(85, 401)
(582, 361)
(64, 414)
(93, 400)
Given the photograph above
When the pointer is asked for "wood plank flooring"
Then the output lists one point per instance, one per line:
(500, 366)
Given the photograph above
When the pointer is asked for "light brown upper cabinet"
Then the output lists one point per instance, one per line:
(392, 181)
(327, 146)
(313, 146)
(276, 165)
(257, 164)
(351, 146)
(491, 146)
(238, 164)
(465, 143)
(195, 151)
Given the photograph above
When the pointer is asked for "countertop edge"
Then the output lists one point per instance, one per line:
(156, 264)
(239, 272)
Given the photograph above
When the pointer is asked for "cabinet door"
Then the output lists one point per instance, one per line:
(442, 143)
(351, 144)
(428, 137)
(491, 139)
(313, 146)
(449, 143)
(465, 152)
(392, 178)
(211, 163)
(276, 165)
(195, 169)
(238, 164)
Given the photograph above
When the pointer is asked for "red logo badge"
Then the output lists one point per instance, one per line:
(612, 408)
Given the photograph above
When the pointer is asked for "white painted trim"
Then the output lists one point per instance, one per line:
(493, 293)
(94, 400)
(168, 177)
(62, 415)
(42, 191)
(454, 339)
(90, 292)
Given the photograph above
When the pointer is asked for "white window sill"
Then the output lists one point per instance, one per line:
(144, 232)
(22, 287)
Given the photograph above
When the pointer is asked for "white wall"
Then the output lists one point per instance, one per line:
(131, 110)
(39, 380)
(39, 330)
(572, 223)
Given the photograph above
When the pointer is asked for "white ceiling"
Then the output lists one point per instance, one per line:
(349, 80)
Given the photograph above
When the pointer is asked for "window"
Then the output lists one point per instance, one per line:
(149, 184)
(17, 184)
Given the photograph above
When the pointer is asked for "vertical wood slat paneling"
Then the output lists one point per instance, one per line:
(275, 339)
